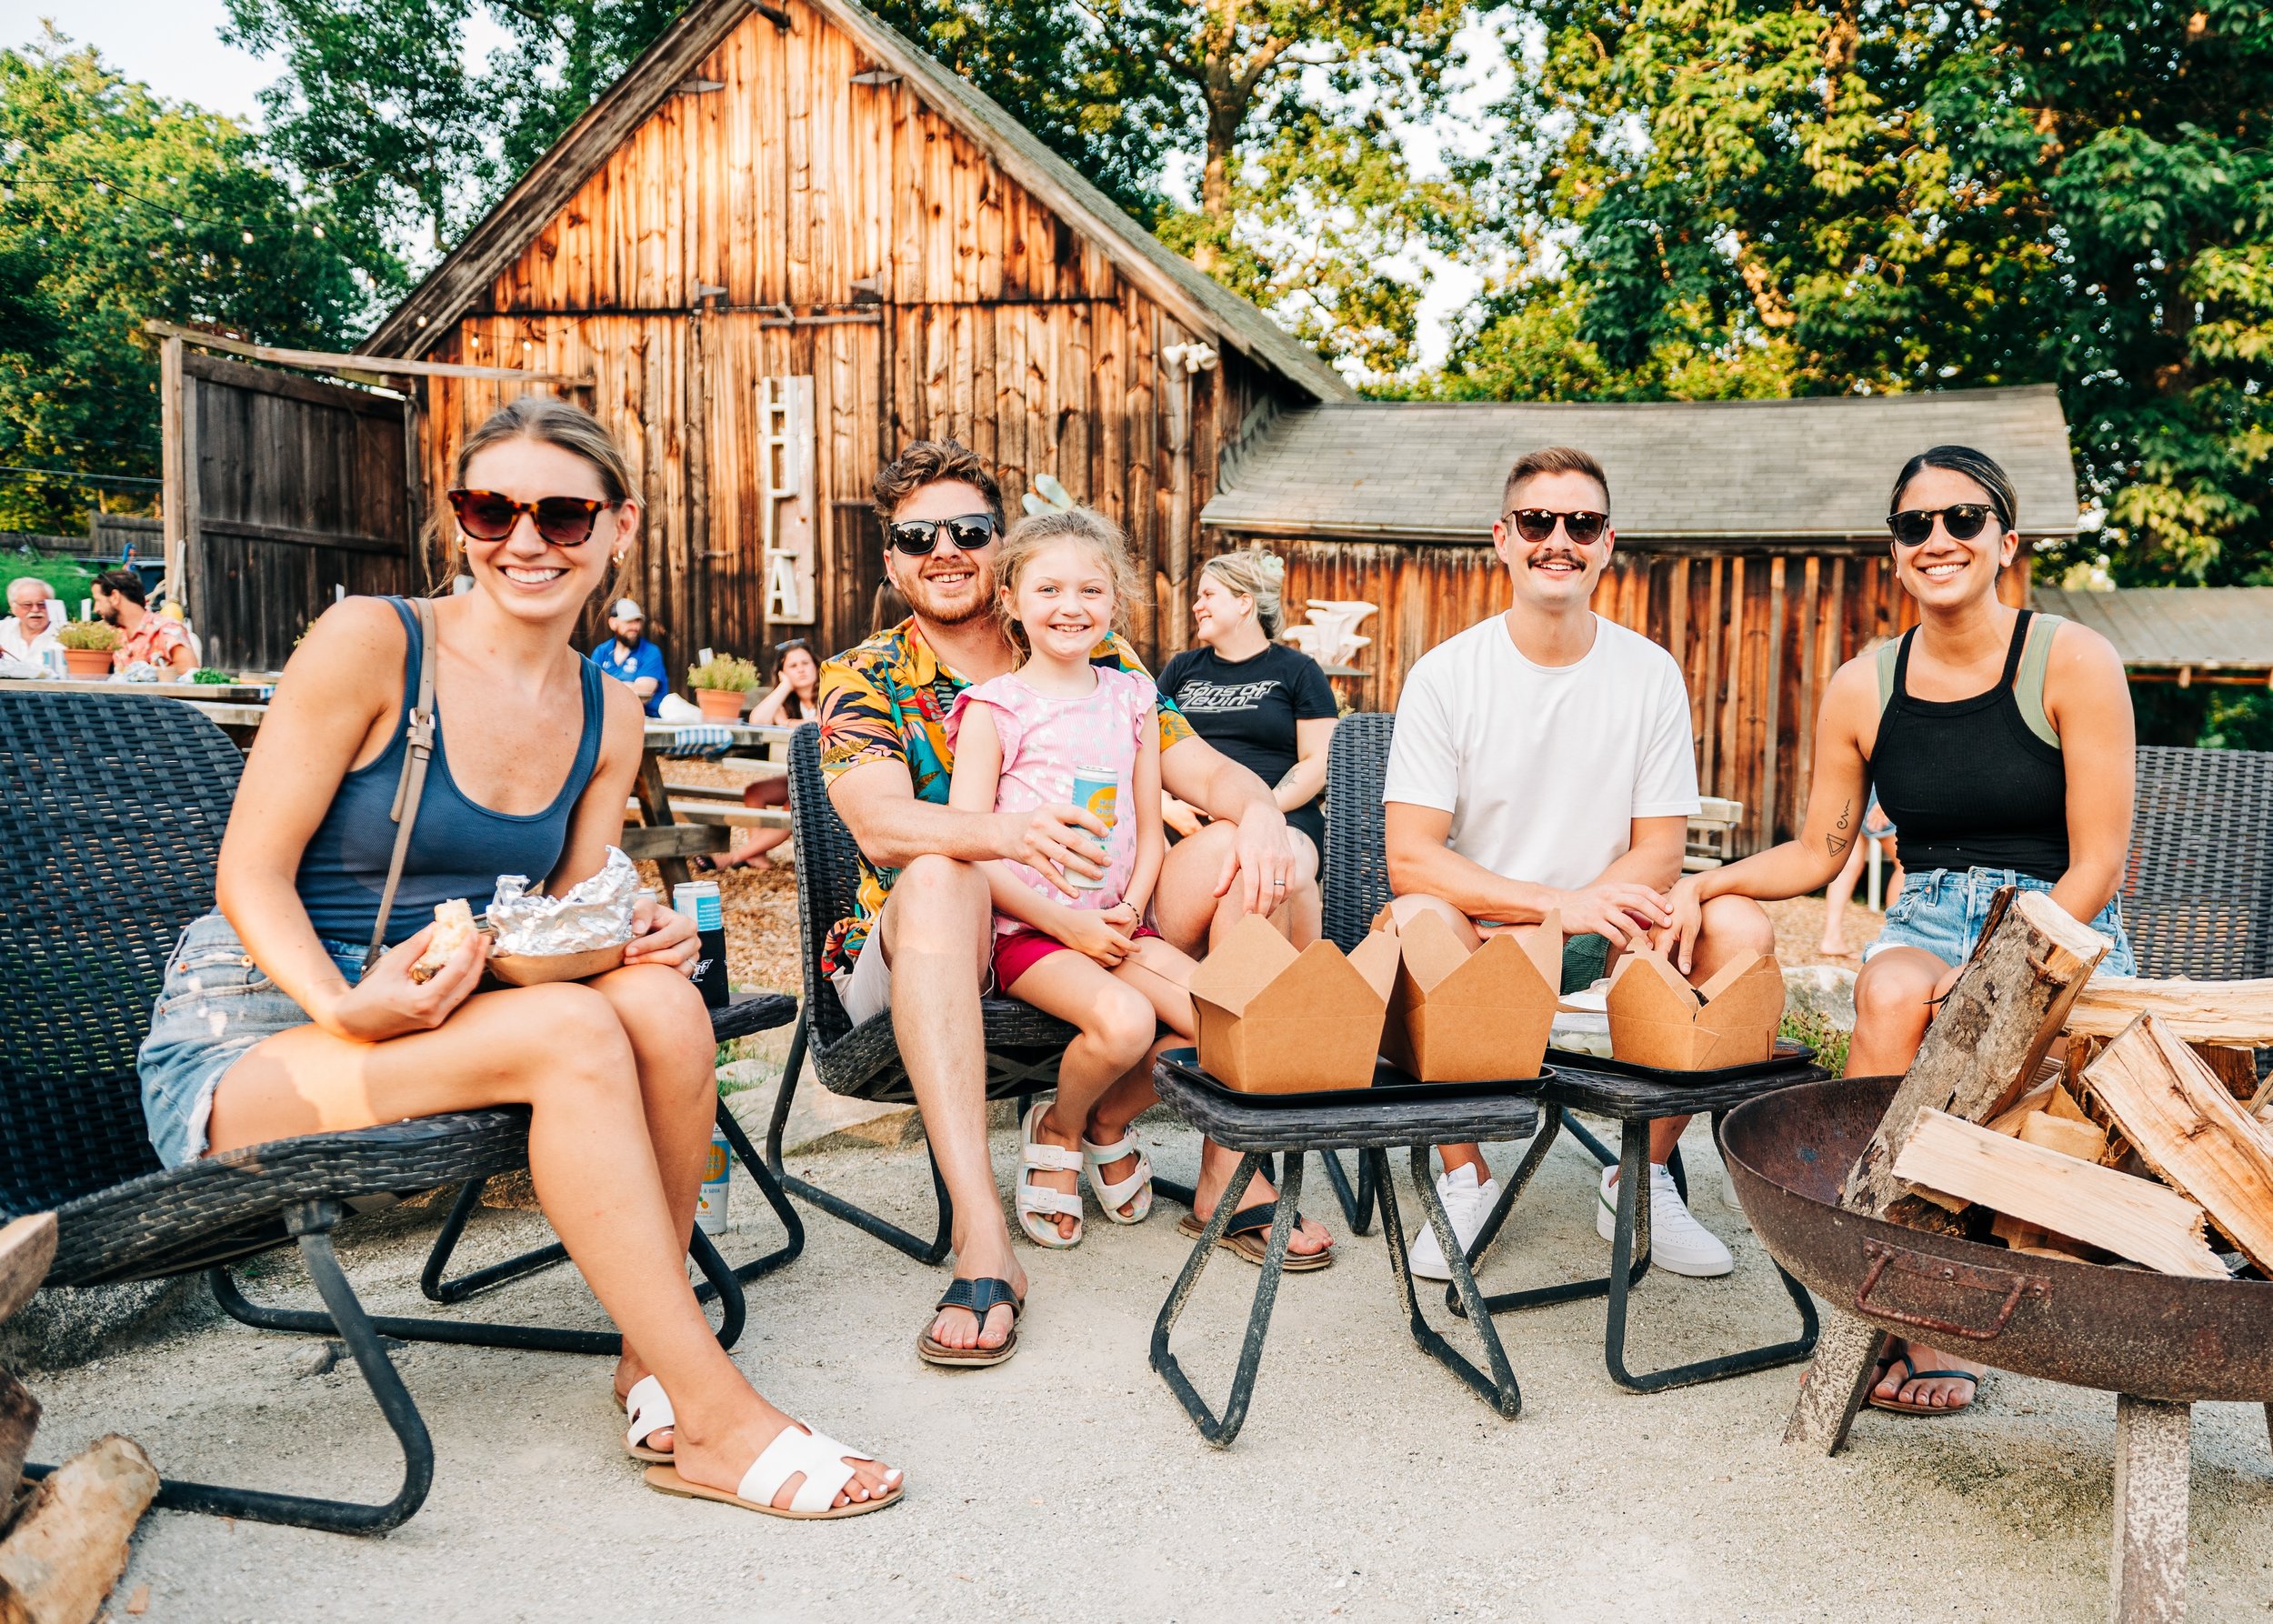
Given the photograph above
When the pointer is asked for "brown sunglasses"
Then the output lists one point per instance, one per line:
(490, 515)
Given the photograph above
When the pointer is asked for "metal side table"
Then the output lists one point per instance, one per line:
(1636, 1096)
(1258, 1127)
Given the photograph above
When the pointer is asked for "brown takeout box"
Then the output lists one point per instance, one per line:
(1463, 1016)
(1276, 1021)
(1658, 1018)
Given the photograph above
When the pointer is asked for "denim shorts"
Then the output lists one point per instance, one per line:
(213, 1007)
(1943, 911)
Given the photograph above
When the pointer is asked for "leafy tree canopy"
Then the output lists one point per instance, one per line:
(116, 206)
(1730, 197)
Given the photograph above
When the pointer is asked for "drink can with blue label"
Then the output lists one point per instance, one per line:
(710, 1204)
(1096, 791)
(698, 899)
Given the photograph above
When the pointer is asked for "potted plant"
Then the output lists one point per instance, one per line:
(722, 685)
(87, 647)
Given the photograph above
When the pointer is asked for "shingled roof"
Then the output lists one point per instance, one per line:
(1194, 298)
(1702, 471)
(2209, 629)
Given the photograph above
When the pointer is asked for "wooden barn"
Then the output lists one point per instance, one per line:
(1752, 539)
(786, 244)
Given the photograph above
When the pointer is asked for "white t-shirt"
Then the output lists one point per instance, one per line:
(14, 646)
(1544, 767)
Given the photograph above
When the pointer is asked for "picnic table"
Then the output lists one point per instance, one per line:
(675, 821)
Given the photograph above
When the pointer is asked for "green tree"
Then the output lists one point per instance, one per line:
(1735, 197)
(117, 206)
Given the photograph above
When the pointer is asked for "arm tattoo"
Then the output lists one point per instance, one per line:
(1836, 842)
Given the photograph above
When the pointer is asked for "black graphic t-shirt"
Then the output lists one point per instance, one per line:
(1248, 709)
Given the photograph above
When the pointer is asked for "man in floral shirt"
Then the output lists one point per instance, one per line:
(151, 640)
(918, 943)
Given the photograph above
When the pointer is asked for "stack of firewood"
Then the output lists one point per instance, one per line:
(2151, 1142)
(67, 1538)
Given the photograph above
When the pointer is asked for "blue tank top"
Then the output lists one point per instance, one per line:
(457, 849)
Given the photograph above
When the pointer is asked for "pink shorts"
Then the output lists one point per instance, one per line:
(1021, 950)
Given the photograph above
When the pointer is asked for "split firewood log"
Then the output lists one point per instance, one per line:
(69, 1546)
(26, 1248)
(2185, 1126)
(2238, 1014)
(1982, 1051)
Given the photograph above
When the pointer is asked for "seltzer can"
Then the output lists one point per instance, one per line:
(710, 1203)
(698, 899)
(1096, 791)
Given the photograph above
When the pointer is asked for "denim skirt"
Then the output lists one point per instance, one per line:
(1944, 909)
(213, 1007)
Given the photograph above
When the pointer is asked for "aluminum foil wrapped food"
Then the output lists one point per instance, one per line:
(595, 914)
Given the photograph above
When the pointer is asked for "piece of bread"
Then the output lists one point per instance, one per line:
(452, 924)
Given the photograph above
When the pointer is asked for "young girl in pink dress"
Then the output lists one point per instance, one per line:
(1084, 955)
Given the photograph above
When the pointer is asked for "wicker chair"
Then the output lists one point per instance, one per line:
(1023, 1044)
(2197, 886)
(113, 810)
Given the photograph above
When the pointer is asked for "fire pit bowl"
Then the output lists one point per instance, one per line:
(2134, 1331)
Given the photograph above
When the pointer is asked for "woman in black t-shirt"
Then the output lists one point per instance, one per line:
(1266, 706)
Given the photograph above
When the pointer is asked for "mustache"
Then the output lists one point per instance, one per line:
(1559, 556)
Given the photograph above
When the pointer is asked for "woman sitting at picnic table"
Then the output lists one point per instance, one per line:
(796, 698)
(271, 1023)
(1999, 742)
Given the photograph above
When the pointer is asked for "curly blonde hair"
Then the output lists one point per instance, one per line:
(1031, 534)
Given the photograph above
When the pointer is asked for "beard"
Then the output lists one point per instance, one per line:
(627, 641)
(937, 607)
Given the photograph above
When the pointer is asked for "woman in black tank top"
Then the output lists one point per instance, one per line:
(2002, 758)
(617, 1071)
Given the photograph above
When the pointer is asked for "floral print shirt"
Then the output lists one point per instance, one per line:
(888, 700)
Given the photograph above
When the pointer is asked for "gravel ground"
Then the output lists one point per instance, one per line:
(1068, 1484)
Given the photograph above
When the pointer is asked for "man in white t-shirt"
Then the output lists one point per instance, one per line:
(1542, 762)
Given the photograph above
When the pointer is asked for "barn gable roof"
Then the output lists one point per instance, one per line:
(1697, 471)
(1187, 293)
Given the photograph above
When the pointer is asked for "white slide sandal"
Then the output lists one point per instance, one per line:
(795, 1449)
(649, 1408)
(1037, 1203)
(1111, 1195)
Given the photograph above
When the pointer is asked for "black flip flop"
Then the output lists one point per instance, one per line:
(1248, 1235)
(1899, 1407)
(981, 1298)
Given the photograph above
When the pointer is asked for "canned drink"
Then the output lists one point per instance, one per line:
(1096, 791)
(698, 900)
(710, 1202)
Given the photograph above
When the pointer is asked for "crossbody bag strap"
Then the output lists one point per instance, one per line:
(412, 783)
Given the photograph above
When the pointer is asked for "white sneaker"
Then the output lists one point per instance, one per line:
(1468, 1204)
(1677, 1242)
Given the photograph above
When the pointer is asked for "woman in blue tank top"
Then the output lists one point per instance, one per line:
(270, 1025)
(2001, 743)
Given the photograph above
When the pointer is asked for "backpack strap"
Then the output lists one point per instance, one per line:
(412, 787)
(2028, 679)
(1891, 665)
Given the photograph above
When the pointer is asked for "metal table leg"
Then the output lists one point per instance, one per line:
(1499, 1388)
(1220, 1431)
(1357, 1204)
(1508, 1302)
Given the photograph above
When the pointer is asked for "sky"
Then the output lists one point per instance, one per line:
(175, 48)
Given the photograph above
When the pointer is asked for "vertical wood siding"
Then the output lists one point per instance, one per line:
(1733, 619)
(958, 307)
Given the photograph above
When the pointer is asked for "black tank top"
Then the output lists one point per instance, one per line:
(1965, 783)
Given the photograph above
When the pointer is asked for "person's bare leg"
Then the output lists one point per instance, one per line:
(1836, 897)
(562, 1051)
(1894, 1003)
(1192, 918)
(938, 932)
(668, 1028)
(1116, 1024)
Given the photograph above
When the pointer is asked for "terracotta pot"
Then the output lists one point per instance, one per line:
(87, 662)
(721, 705)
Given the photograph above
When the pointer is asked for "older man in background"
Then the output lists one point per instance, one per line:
(29, 631)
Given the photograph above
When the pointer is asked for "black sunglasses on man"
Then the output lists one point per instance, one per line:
(916, 538)
(1534, 524)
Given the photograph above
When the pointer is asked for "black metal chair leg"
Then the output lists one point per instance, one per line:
(310, 1222)
(1603, 1154)
(1220, 1431)
(1538, 1297)
(473, 1334)
(1357, 1205)
(1499, 1388)
(927, 1252)
(441, 1290)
